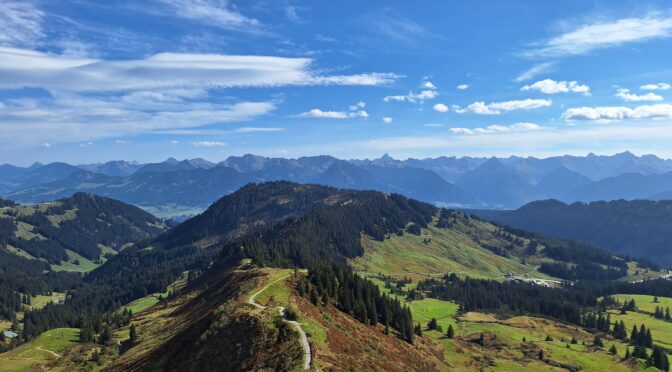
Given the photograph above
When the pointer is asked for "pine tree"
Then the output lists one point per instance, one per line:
(627, 353)
(418, 330)
(613, 349)
(133, 335)
(597, 341)
(574, 340)
(648, 341)
(541, 355)
(451, 332)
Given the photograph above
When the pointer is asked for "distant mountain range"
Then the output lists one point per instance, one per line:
(470, 182)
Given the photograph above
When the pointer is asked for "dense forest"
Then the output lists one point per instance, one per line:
(637, 228)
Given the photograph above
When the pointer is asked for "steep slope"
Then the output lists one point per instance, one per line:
(636, 228)
(211, 324)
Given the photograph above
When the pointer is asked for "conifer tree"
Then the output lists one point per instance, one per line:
(133, 333)
(451, 332)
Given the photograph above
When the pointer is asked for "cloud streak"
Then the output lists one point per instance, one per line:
(496, 129)
(610, 113)
(26, 68)
(600, 35)
(497, 108)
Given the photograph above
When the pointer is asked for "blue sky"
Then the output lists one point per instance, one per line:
(87, 81)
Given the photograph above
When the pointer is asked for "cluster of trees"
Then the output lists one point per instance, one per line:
(641, 336)
(98, 328)
(658, 359)
(660, 314)
(358, 297)
(511, 297)
(598, 322)
(582, 271)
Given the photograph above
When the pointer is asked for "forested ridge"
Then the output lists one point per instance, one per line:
(636, 228)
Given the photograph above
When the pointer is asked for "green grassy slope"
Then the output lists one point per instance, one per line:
(437, 251)
(37, 354)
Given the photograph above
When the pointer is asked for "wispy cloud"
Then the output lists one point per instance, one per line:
(20, 68)
(216, 13)
(656, 86)
(463, 87)
(258, 129)
(387, 120)
(73, 118)
(536, 70)
(603, 34)
(20, 23)
(496, 128)
(627, 96)
(317, 113)
(496, 108)
(395, 28)
(549, 86)
(209, 144)
(610, 113)
(429, 92)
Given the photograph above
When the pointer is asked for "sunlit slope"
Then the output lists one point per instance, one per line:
(458, 248)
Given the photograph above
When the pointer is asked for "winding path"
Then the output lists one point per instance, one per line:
(303, 338)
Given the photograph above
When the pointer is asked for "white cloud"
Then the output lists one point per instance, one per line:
(608, 113)
(549, 86)
(387, 120)
(317, 113)
(358, 106)
(216, 13)
(656, 86)
(122, 142)
(463, 87)
(496, 108)
(599, 35)
(440, 107)
(20, 23)
(257, 130)
(46, 144)
(174, 142)
(535, 70)
(87, 144)
(461, 131)
(496, 128)
(428, 85)
(413, 97)
(209, 144)
(26, 68)
(631, 97)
